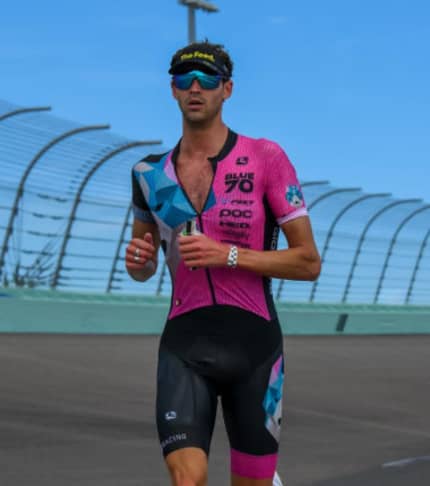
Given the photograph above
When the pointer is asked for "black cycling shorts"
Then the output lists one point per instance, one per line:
(225, 352)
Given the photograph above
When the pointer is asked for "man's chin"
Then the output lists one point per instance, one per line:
(196, 117)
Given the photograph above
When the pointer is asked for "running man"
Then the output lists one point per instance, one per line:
(215, 204)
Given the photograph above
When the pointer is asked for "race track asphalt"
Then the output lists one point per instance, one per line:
(78, 411)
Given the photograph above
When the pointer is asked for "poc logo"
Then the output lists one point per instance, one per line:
(170, 415)
(235, 213)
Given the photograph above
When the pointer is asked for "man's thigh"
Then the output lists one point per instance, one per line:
(186, 405)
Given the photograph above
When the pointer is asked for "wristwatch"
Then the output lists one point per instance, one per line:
(232, 257)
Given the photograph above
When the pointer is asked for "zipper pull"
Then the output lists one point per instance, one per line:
(189, 230)
(190, 227)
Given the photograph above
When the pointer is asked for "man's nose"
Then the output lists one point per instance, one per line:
(195, 86)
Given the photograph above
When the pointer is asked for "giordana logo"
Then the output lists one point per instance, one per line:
(242, 161)
(171, 415)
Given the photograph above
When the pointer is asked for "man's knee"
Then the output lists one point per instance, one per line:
(188, 467)
(187, 477)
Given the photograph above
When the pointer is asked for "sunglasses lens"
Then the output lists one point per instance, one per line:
(183, 81)
(209, 81)
(206, 81)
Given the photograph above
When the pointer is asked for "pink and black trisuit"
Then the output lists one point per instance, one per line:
(222, 337)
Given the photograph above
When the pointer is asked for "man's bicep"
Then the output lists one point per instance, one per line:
(298, 232)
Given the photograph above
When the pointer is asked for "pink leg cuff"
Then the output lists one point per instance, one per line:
(250, 466)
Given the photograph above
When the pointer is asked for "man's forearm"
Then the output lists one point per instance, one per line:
(291, 264)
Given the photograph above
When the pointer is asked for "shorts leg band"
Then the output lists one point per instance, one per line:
(251, 466)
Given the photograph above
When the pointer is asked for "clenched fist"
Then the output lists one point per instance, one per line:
(141, 258)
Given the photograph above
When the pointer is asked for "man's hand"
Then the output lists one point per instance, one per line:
(199, 251)
(140, 257)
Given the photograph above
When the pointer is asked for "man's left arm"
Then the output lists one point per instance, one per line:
(300, 261)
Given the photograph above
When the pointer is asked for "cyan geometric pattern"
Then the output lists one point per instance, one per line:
(272, 402)
(164, 196)
(274, 390)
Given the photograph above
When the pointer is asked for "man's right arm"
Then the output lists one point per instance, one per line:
(142, 251)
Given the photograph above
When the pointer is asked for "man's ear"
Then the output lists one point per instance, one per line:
(228, 89)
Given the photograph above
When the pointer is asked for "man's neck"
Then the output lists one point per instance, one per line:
(204, 141)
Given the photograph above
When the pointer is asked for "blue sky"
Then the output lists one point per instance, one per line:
(343, 86)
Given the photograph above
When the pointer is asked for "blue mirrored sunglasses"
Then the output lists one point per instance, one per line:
(206, 81)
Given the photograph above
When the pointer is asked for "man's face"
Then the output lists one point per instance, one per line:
(200, 105)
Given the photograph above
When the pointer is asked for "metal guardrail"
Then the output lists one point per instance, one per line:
(72, 235)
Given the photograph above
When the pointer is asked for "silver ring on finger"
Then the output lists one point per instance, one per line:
(137, 252)
(136, 258)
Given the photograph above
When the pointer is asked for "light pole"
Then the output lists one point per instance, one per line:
(194, 5)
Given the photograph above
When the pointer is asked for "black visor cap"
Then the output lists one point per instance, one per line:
(199, 59)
